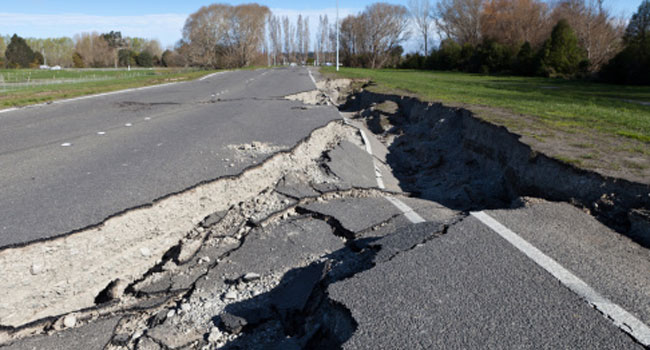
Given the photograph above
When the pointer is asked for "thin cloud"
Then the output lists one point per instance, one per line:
(164, 27)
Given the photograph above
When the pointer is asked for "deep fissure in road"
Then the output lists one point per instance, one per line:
(450, 156)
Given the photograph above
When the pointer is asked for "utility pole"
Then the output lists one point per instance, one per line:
(337, 35)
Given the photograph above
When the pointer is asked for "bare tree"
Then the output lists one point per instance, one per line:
(299, 38)
(305, 38)
(275, 38)
(287, 37)
(459, 20)
(421, 12)
(225, 36)
(323, 38)
(599, 33)
(514, 22)
(93, 49)
(386, 28)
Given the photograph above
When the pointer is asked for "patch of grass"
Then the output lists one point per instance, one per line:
(634, 165)
(571, 161)
(44, 86)
(571, 106)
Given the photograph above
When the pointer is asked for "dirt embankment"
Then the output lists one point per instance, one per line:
(450, 156)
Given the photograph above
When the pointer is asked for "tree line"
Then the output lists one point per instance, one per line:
(85, 50)
(565, 38)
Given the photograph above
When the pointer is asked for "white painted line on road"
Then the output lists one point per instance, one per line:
(211, 75)
(67, 144)
(409, 213)
(101, 133)
(128, 125)
(619, 316)
(8, 110)
(312, 78)
(147, 118)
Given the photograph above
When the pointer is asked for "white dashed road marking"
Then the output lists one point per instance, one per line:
(624, 320)
(410, 214)
(67, 144)
(101, 133)
(128, 124)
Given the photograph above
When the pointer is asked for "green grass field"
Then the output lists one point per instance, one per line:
(19, 87)
(568, 105)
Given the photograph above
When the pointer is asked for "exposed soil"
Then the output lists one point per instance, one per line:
(449, 155)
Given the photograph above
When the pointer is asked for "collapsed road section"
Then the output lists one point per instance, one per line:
(304, 251)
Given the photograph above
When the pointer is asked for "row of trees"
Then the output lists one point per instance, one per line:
(85, 50)
(530, 37)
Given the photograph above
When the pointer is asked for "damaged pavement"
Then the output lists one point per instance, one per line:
(319, 256)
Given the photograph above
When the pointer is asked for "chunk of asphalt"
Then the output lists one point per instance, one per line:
(352, 165)
(174, 337)
(325, 187)
(232, 323)
(146, 343)
(121, 339)
(292, 185)
(273, 249)
(406, 238)
(293, 296)
(212, 219)
(356, 214)
(95, 335)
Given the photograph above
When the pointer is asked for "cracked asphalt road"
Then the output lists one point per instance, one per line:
(321, 260)
(177, 138)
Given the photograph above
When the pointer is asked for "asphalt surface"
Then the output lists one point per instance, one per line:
(156, 142)
(448, 283)
(469, 289)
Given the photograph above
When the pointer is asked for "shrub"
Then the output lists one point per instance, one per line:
(78, 61)
(144, 59)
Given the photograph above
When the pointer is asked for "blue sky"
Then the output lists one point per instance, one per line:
(162, 19)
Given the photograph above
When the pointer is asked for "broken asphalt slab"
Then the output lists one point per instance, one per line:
(93, 336)
(469, 289)
(352, 165)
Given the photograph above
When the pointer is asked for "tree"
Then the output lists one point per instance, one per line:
(561, 53)
(94, 49)
(459, 20)
(322, 38)
(225, 36)
(3, 47)
(639, 27)
(78, 61)
(632, 65)
(18, 53)
(286, 25)
(305, 38)
(115, 42)
(513, 22)
(386, 27)
(526, 63)
(299, 38)
(421, 12)
(145, 59)
(599, 34)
